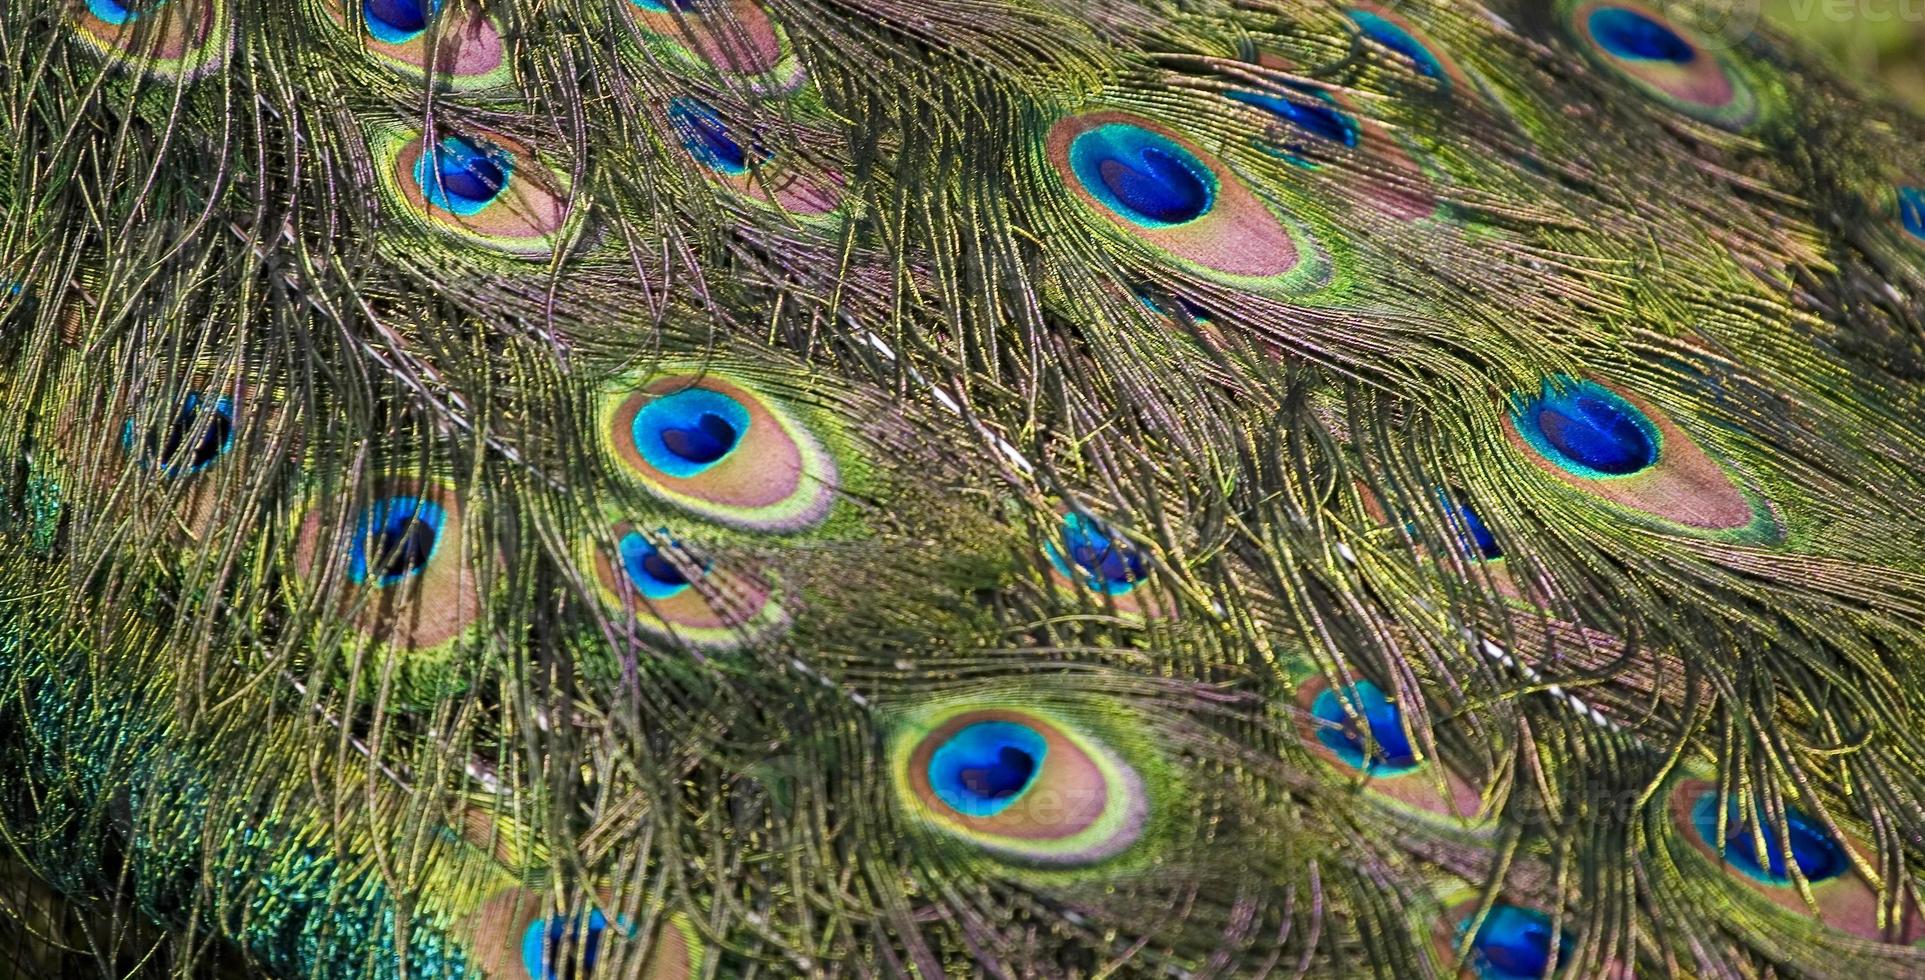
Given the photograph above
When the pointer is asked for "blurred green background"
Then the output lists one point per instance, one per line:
(1879, 42)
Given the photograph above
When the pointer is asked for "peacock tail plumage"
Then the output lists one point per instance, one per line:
(765, 488)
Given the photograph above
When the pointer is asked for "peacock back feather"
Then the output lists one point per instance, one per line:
(763, 488)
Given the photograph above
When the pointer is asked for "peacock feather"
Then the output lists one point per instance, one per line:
(740, 488)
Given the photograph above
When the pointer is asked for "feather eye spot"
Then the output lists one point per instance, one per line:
(648, 570)
(1911, 211)
(1475, 536)
(734, 159)
(414, 579)
(1309, 112)
(182, 39)
(115, 12)
(1752, 854)
(1160, 301)
(397, 21)
(394, 539)
(1142, 175)
(1587, 429)
(709, 439)
(464, 52)
(1334, 726)
(1630, 34)
(478, 188)
(684, 433)
(1094, 555)
(1481, 538)
(1813, 851)
(1391, 32)
(463, 175)
(732, 37)
(1307, 123)
(1515, 943)
(1362, 705)
(984, 768)
(652, 581)
(512, 934)
(563, 947)
(707, 137)
(1613, 446)
(1020, 784)
(1142, 183)
(199, 433)
(1663, 60)
(715, 448)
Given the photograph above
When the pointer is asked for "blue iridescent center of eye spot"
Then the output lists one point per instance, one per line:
(198, 434)
(648, 570)
(1633, 36)
(397, 21)
(394, 539)
(685, 432)
(707, 137)
(1390, 755)
(660, 7)
(1514, 944)
(557, 948)
(1399, 40)
(1477, 539)
(1311, 112)
(1587, 429)
(1816, 853)
(1150, 301)
(116, 12)
(1091, 554)
(463, 175)
(1911, 210)
(1144, 176)
(987, 766)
